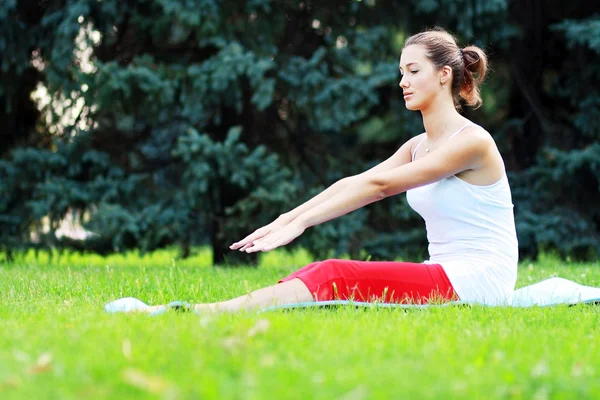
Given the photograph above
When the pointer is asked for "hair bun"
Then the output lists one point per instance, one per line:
(475, 62)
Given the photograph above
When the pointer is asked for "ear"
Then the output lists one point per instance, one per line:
(445, 74)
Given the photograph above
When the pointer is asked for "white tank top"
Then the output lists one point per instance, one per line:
(471, 233)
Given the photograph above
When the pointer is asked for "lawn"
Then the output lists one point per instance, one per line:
(56, 342)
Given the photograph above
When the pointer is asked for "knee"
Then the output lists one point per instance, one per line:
(331, 261)
(332, 265)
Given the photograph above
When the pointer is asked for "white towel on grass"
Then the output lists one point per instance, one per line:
(555, 291)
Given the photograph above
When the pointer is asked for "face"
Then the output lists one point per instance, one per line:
(420, 81)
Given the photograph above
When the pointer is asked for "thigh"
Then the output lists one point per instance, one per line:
(387, 281)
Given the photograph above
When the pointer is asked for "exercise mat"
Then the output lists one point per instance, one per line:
(549, 292)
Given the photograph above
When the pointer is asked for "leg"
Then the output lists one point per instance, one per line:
(397, 282)
(293, 291)
(390, 282)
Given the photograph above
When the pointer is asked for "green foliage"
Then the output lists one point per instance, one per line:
(581, 32)
(197, 121)
(557, 197)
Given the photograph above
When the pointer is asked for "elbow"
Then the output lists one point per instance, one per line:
(379, 189)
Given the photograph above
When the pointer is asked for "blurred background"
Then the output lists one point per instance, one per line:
(162, 123)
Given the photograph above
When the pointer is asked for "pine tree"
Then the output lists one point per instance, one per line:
(188, 122)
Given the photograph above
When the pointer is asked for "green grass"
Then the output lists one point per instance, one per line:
(56, 342)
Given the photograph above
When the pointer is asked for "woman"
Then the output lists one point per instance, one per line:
(455, 179)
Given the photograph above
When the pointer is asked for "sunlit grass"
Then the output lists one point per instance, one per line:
(57, 342)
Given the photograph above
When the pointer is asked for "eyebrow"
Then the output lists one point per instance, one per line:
(407, 65)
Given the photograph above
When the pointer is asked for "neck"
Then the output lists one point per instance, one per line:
(439, 118)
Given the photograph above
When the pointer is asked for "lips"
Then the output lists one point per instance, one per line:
(407, 95)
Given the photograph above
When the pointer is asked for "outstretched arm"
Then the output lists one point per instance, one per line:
(461, 154)
(288, 217)
(400, 157)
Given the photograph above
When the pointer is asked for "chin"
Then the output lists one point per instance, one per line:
(412, 107)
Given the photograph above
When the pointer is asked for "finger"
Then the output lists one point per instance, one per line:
(255, 235)
(270, 246)
(256, 247)
(273, 245)
(281, 240)
(262, 240)
(241, 243)
(236, 245)
(247, 245)
(260, 245)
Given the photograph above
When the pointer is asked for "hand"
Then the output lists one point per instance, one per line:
(248, 241)
(276, 238)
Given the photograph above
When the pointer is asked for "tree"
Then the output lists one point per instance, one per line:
(183, 122)
(556, 70)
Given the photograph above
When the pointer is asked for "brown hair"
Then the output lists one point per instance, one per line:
(469, 65)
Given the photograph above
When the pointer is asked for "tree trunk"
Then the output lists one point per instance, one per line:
(222, 255)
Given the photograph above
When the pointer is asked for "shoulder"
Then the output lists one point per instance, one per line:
(413, 142)
(478, 132)
(475, 138)
(474, 144)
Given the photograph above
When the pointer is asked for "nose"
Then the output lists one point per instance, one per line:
(403, 82)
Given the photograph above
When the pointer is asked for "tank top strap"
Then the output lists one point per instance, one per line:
(415, 150)
(460, 130)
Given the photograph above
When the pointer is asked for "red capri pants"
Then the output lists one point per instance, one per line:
(385, 281)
